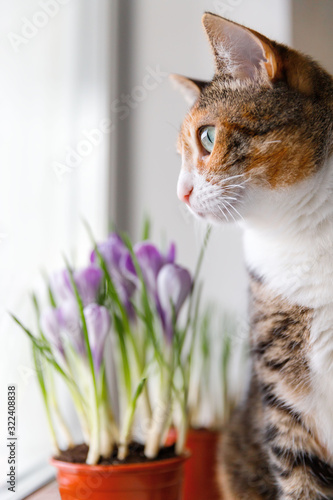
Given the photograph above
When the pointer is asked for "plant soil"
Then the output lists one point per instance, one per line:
(78, 455)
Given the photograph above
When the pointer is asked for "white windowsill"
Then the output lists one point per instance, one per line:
(29, 483)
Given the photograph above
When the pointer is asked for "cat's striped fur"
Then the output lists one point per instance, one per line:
(271, 168)
(269, 447)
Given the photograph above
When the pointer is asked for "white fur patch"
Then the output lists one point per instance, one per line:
(217, 201)
(289, 241)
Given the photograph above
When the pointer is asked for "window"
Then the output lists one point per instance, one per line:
(57, 85)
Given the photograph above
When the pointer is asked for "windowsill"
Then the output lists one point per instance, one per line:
(31, 483)
(48, 492)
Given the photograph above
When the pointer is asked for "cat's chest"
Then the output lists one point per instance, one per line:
(301, 272)
(292, 349)
(299, 288)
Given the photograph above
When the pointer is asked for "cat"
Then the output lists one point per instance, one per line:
(257, 149)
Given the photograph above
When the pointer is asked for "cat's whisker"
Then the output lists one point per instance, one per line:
(217, 193)
(235, 209)
(225, 201)
(226, 218)
(225, 182)
(227, 179)
(227, 209)
(234, 186)
(212, 196)
(230, 198)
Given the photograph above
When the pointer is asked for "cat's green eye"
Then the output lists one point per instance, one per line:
(207, 137)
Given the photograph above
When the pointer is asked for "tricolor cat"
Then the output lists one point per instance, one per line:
(257, 149)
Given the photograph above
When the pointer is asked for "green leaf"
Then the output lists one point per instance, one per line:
(195, 280)
(146, 228)
(147, 316)
(50, 293)
(93, 453)
(44, 348)
(122, 343)
(84, 324)
(43, 389)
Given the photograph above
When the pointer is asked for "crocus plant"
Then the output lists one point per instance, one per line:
(217, 368)
(123, 310)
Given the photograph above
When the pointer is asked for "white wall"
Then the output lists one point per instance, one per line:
(170, 35)
(312, 29)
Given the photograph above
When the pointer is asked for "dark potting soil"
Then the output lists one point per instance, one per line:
(78, 455)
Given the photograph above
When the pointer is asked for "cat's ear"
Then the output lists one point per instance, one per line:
(240, 52)
(191, 89)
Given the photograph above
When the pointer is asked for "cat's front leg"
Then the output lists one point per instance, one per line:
(296, 459)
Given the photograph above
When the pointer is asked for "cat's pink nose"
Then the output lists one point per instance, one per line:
(186, 197)
(184, 194)
(184, 189)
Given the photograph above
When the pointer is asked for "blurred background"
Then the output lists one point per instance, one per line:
(88, 129)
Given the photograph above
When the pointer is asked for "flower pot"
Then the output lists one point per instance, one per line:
(157, 480)
(201, 469)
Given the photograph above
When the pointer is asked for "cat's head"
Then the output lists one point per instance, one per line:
(263, 124)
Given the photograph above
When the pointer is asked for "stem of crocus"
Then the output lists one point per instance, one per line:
(94, 446)
(82, 416)
(107, 438)
(41, 381)
(94, 453)
(55, 445)
(94, 423)
(141, 369)
(147, 413)
(81, 413)
(124, 437)
(182, 432)
(161, 411)
(126, 430)
(156, 430)
(93, 411)
(109, 431)
(61, 422)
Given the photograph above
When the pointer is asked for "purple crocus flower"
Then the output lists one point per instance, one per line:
(51, 323)
(87, 280)
(174, 284)
(115, 254)
(63, 323)
(112, 251)
(61, 286)
(71, 326)
(150, 260)
(98, 324)
(171, 254)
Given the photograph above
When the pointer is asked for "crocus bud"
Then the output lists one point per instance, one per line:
(111, 250)
(87, 280)
(174, 284)
(171, 254)
(115, 255)
(98, 324)
(71, 326)
(51, 324)
(150, 261)
(61, 286)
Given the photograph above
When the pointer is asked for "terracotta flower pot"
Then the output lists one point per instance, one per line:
(158, 480)
(201, 468)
